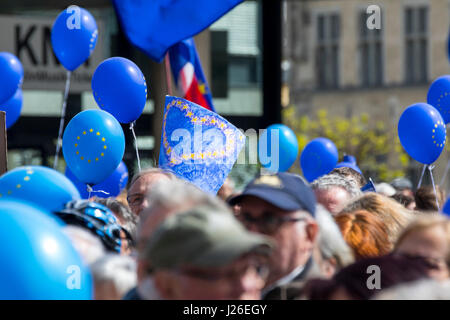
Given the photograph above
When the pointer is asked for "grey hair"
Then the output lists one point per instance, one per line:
(123, 212)
(87, 245)
(168, 194)
(331, 243)
(334, 180)
(116, 269)
(424, 289)
(145, 172)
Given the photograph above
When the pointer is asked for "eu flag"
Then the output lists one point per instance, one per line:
(155, 25)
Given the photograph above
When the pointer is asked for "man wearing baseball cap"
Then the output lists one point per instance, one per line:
(205, 253)
(281, 206)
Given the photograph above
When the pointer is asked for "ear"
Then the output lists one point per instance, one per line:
(329, 267)
(165, 285)
(312, 231)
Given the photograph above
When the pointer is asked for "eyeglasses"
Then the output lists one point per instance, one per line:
(269, 222)
(135, 200)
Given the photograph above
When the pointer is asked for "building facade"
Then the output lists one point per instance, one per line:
(332, 59)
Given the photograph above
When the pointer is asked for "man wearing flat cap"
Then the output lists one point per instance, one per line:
(281, 206)
(207, 254)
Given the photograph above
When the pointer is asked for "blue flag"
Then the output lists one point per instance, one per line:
(155, 25)
(197, 144)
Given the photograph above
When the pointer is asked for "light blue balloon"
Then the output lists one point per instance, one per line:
(318, 158)
(38, 259)
(93, 145)
(12, 108)
(285, 151)
(113, 185)
(422, 132)
(40, 186)
(74, 36)
(11, 75)
(119, 88)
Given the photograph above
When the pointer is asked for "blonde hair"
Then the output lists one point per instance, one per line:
(393, 214)
(427, 221)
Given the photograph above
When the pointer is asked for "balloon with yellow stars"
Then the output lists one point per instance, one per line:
(422, 132)
(93, 145)
(40, 186)
(439, 96)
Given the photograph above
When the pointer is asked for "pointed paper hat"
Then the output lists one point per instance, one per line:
(197, 144)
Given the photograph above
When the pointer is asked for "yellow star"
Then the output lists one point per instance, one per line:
(202, 88)
(102, 154)
(89, 161)
(27, 178)
(185, 106)
(194, 119)
(91, 130)
(78, 152)
(104, 147)
(78, 138)
(96, 159)
(213, 121)
(82, 158)
(103, 139)
(30, 172)
(9, 192)
(189, 114)
(98, 133)
(84, 132)
(18, 186)
(76, 145)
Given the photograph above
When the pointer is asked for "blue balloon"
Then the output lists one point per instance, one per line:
(38, 258)
(74, 36)
(422, 132)
(318, 158)
(93, 145)
(113, 185)
(285, 150)
(13, 107)
(119, 87)
(446, 208)
(439, 96)
(11, 75)
(40, 186)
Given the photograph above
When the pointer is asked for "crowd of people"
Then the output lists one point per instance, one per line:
(280, 238)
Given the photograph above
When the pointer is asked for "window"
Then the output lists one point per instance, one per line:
(370, 53)
(416, 44)
(327, 54)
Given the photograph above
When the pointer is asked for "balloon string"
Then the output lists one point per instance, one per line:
(61, 121)
(445, 173)
(434, 187)
(90, 190)
(135, 144)
(421, 176)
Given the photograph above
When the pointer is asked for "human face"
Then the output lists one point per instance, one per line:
(242, 279)
(137, 194)
(333, 199)
(431, 244)
(294, 234)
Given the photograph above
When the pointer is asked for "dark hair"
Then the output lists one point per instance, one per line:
(395, 269)
(403, 199)
(347, 172)
(426, 200)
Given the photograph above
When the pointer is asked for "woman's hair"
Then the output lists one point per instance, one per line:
(403, 199)
(365, 233)
(393, 214)
(354, 279)
(426, 200)
(424, 222)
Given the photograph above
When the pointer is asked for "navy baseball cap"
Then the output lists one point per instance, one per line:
(284, 190)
